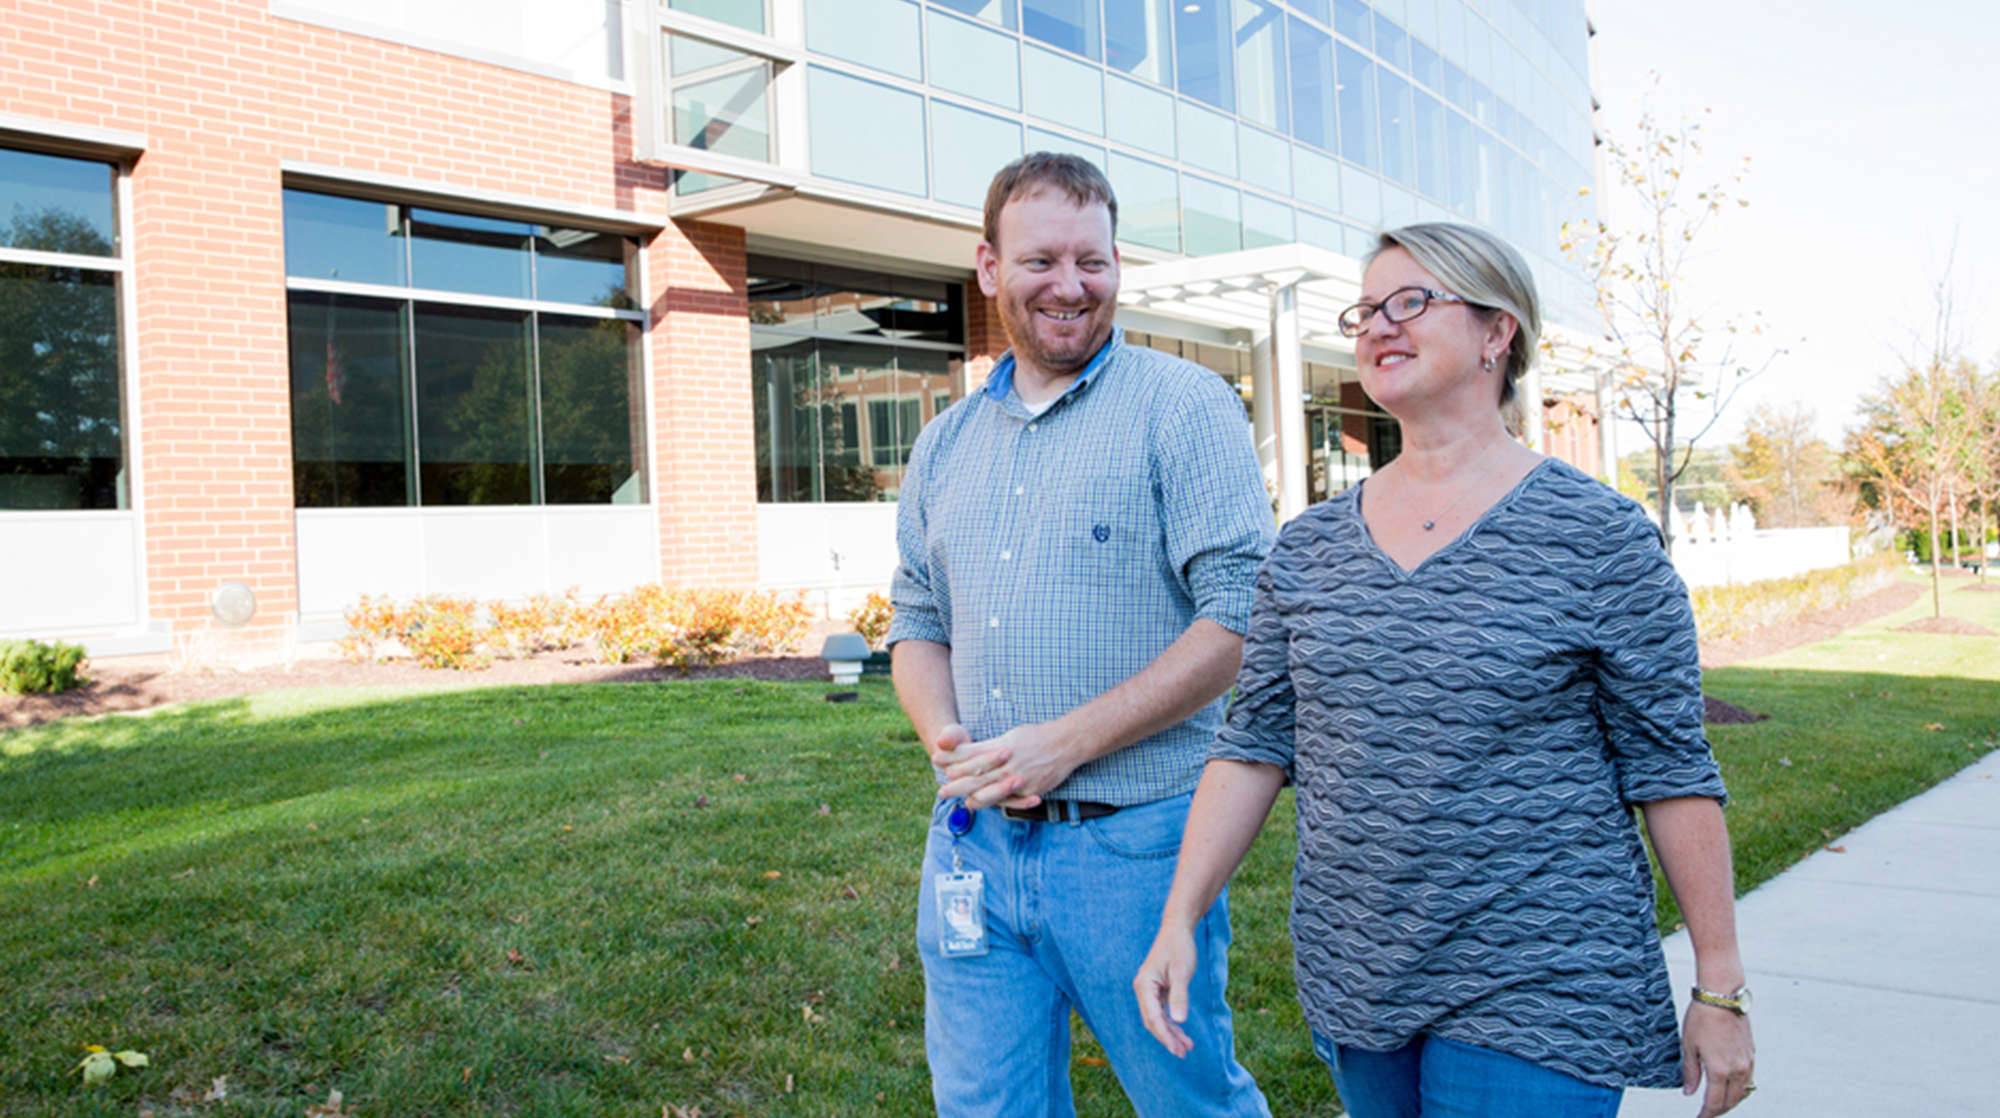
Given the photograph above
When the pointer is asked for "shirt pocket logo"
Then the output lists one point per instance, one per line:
(1101, 533)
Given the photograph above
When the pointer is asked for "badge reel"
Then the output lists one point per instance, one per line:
(960, 895)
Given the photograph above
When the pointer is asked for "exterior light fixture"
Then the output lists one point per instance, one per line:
(844, 653)
(233, 603)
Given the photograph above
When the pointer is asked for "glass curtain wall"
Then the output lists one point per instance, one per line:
(440, 358)
(846, 367)
(62, 392)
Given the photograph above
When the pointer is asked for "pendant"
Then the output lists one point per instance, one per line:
(1429, 524)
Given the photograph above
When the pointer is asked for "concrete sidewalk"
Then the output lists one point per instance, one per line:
(1877, 970)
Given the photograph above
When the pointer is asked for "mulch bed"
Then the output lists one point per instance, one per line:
(135, 683)
(1951, 626)
(132, 683)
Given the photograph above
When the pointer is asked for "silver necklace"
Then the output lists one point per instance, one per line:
(1432, 522)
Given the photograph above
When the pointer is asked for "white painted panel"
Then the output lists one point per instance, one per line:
(830, 546)
(602, 550)
(485, 553)
(68, 573)
(346, 553)
(505, 553)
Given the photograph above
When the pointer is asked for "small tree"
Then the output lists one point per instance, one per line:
(1917, 433)
(1982, 460)
(1783, 471)
(1663, 351)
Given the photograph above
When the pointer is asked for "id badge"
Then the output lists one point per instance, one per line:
(961, 914)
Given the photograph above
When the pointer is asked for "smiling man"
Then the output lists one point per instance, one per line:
(1078, 542)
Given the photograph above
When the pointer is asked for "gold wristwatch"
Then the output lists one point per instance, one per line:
(1737, 1003)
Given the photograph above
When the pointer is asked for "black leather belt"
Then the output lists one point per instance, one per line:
(1059, 811)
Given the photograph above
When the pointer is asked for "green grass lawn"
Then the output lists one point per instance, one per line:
(535, 901)
(610, 899)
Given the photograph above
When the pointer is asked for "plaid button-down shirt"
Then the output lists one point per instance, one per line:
(1058, 555)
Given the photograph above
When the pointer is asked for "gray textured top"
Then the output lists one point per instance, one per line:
(1059, 554)
(1467, 740)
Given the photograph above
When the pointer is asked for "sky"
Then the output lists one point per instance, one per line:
(1873, 133)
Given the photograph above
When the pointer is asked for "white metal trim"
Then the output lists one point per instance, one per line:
(63, 138)
(307, 175)
(459, 298)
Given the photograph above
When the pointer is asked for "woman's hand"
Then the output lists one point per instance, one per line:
(1162, 987)
(1716, 1044)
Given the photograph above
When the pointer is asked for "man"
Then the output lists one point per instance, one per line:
(1078, 544)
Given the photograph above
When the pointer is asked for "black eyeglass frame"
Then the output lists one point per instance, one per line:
(1355, 319)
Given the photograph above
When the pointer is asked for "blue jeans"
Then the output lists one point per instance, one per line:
(1071, 910)
(1436, 1078)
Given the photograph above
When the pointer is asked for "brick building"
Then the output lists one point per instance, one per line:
(313, 299)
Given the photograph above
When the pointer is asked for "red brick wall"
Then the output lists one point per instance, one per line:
(1569, 424)
(985, 335)
(223, 92)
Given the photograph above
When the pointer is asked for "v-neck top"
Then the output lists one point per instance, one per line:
(1467, 739)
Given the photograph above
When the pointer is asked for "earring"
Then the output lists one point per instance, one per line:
(1486, 362)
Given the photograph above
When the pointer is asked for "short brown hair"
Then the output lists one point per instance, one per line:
(1072, 174)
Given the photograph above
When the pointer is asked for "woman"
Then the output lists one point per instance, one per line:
(1472, 666)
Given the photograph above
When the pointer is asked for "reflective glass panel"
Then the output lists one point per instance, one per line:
(1265, 222)
(50, 203)
(867, 133)
(858, 381)
(1069, 25)
(781, 292)
(593, 411)
(1260, 64)
(1358, 114)
(1353, 19)
(1043, 140)
(1425, 65)
(1428, 143)
(1000, 12)
(878, 33)
(728, 113)
(1267, 159)
(1462, 173)
(1208, 140)
(344, 239)
(1315, 120)
(1202, 62)
(582, 266)
(1212, 213)
(969, 148)
(350, 402)
(1398, 151)
(1064, 90)
(1138, 38)
(1316, 179)
(1457, 87)
(1149, 204)
(791, 422)
(969, 59)
(1392, 44)
(1139, 115)
(746, 14)
(1316, 9)
(475, 406)
(472, 255)
(61, 411)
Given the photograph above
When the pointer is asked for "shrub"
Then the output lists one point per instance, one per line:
(691, 627)
(1721, 612)
(540, 624)
(31, 666)
(370, 625)
(871, 618)
(444, 632)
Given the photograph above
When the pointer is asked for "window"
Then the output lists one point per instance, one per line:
(842, 361)
(1069, 25)
(62, 395)
(1398, 150)
(1260, 64)
(504, 371)
(1202, 56)
(1137, 40)
(1357, 107)
(1314, 119)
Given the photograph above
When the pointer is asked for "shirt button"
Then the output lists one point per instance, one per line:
(1031, 426)
(993, 623)
(1020, 489)
(996, 692)
(1006, 555)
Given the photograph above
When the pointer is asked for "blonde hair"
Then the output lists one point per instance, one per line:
(1488, 273)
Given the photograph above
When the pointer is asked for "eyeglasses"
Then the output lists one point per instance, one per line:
(1402, 305)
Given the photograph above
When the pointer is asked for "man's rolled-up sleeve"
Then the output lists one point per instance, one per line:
(1215, 511)
(916, 590)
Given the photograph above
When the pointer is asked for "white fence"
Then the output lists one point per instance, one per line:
(1713, 547)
